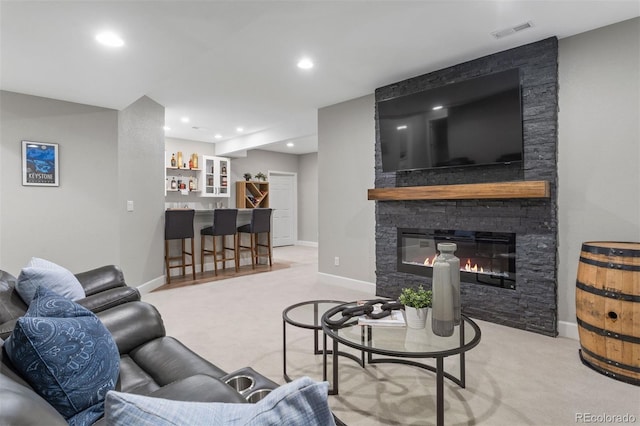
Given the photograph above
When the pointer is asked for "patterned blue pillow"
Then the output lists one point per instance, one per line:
(301, 402)
(66, 354)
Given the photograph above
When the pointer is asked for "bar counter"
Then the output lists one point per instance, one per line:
(204, 218)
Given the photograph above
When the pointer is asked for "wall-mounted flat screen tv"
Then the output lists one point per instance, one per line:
(469, 123)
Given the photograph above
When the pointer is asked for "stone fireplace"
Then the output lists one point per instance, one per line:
(525, 295)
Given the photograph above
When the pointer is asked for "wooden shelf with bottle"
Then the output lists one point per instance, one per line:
(183, 169)
(252, 194)
(188, 182)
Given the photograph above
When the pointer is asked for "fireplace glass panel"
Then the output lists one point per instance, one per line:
(485, 257)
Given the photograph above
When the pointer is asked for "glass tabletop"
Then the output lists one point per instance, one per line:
(308, 314)
(401, 341)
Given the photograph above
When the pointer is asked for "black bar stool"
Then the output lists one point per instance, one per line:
(178, 225)
(224, 223)
(260, 224)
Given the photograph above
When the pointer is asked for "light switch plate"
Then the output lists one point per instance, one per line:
(129, 206)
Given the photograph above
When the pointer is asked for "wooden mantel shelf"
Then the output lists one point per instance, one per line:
(474, 191)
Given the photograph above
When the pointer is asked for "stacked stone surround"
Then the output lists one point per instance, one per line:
(533, 304)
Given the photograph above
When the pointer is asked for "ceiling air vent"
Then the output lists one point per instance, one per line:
(508, 31)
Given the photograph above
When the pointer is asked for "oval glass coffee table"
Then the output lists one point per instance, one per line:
(397, 344)
(308, 315)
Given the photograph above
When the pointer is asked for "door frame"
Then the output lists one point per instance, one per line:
(294, 198)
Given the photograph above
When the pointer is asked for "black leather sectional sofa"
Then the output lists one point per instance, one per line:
(151, 363)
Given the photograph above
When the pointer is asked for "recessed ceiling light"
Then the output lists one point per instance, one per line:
(185, 119)
(437, 107)
(218, 136)
(166, 128)
(401, 127)
(110, 39)
(290, 144)
(239, 129)
(305, 64)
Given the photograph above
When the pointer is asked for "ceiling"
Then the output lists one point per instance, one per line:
(226, 64)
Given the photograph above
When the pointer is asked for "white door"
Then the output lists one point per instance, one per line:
(282, 199)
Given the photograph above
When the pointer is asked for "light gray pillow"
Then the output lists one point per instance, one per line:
(40, 272)
(301, 402)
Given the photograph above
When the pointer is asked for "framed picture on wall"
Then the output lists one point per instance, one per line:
(40, 164)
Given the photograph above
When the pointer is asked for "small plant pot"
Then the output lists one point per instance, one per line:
(415, 317)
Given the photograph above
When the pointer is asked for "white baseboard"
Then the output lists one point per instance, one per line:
(348, 283)
(568, 329)
(307, 243)
(565, 328)
(149, 286)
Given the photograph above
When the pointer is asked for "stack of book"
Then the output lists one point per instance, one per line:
(395, 319)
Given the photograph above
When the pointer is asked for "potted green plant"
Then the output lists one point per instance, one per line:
(416, 305)
(261, 176)
(247, 176)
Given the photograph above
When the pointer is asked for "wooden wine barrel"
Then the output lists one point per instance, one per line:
(608, 308)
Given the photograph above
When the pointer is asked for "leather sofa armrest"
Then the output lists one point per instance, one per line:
(109, 298)
(11, 304)
(6, 328)
(101, 279)
(132, 324)
(199, 388)
(19, 404)
(22, 406)
(167, 360)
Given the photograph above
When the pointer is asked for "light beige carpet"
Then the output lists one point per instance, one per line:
(513, 377)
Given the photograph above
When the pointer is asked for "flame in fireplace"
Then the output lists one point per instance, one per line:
(473, 268)
(429, 262)
(467, 267)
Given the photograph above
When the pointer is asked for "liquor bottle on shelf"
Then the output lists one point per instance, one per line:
(174, 184)
(179, 159)
(191, 188)
(173, 160)
(190, 163)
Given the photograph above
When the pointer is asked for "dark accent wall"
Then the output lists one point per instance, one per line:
(533, 304)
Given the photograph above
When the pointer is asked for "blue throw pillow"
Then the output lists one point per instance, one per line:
(66, 354)
(301, 402)
(40, 272)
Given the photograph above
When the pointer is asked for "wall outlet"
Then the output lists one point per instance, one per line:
(129, 206)
(336, 261)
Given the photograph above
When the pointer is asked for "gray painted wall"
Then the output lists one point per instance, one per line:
(308, 197)
(261, 161)
(73, 224)
(599, 146)
(258, 160)
(140, 179)
(346, 224)
(106, 158)
(599, 153)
